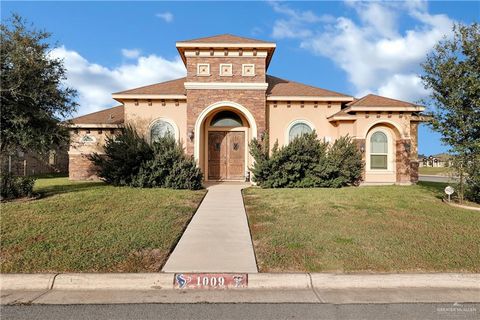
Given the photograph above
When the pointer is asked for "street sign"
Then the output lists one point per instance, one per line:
(210, 280)
(449, 191)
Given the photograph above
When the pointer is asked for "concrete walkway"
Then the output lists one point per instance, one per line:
(218, 238)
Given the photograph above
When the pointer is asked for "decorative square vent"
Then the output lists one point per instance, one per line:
(203, 69)
(226, 69)
(248, 70)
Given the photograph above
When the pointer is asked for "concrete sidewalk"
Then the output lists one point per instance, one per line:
(218, 238)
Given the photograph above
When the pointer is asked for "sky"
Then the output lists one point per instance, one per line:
(352, 47)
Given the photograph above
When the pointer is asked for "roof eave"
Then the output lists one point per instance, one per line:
(309, 98)
(121, 97)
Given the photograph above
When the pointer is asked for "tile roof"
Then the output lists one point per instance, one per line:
(168, 87)
(113, 115)
(283, 87)
(225, 38)
(276, 87)
(372, 100)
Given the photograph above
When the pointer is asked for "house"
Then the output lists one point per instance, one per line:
(227, 98)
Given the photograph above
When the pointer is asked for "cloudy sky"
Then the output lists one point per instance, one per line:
(347, 46)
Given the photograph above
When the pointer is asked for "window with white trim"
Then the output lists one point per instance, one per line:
(298, 129)
(379, 151)
(160, 129)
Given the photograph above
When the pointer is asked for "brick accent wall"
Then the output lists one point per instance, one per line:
(81, 168)
(253, 100)
(236, 68)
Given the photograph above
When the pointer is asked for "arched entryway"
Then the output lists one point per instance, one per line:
(221, 148)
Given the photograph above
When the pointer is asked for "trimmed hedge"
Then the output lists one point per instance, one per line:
(307, 162)
(13, 187)
(130, 161)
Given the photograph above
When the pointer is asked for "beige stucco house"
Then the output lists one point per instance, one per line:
(227, 98)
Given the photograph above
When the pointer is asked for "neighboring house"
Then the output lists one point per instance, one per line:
(227, 99)
(436, 160)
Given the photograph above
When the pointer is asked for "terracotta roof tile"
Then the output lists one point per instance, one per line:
(225, 38)
(168, 87)
(282, 87)
(373, 100)
(113, 115)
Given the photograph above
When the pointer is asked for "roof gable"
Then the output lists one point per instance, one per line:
(224, 38)
(373, 100)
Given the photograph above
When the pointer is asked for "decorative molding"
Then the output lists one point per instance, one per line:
(94, 125)
(126, 96)
(226, 70)
(222, 46)
(248, 70)
(294, 122)
(308, 98)
(227, 85)
(203, 69)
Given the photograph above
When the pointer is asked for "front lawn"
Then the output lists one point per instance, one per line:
(378, 228)
(93, 227)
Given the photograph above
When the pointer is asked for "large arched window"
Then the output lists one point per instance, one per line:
(226, 119)
(379, 151)
(298, 129)
(160, 129)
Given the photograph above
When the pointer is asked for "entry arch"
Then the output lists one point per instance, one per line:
(211, 108)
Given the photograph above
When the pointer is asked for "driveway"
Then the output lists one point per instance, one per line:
(218, 237)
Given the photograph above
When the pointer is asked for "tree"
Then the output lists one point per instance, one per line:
(33, 95)
(452, 74)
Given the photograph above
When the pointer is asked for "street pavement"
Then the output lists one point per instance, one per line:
(424, 311)
(431, 178)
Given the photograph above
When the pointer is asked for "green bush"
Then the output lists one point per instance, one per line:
(13, 187)
(473, 180)
(306, 162)
(130, 161)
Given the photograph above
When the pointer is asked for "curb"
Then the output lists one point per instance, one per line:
(292, 281)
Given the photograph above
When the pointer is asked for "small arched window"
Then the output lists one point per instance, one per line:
(226, 119)
(161, 129)
(298, 130)
(379, 151)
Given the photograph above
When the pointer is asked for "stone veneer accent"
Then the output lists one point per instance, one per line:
(403, 161)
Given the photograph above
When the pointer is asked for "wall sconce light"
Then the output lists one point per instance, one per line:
(191, 135)
(362, 148)
(407, 146)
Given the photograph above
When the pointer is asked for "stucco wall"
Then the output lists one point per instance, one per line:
(281, 116)
(143, 115)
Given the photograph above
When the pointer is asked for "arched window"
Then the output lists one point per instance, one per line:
(226, 119)
(298, 129)
(160, 129)
(379, 151)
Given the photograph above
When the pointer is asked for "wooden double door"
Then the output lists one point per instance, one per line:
(226, 155)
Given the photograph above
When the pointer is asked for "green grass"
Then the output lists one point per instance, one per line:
(93, 227)
(378, 228)
(440, 171)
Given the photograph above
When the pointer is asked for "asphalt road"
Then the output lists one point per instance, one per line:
(435, 178)
(244, 311)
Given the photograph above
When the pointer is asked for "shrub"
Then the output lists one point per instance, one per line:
(170, 167)
(473, 180)
(306, 162)
(13, 187)
(124, 155)
(131, 161)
